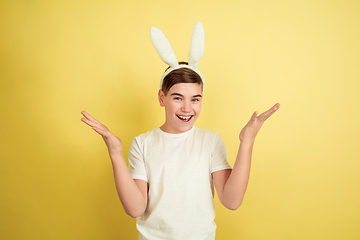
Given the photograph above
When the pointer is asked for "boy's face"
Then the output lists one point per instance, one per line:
(182, 106)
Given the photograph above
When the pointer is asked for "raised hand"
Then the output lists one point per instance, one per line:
(132, 193)
(249, 132)
(112, 142)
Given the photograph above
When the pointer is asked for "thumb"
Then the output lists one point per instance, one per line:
(254, 116)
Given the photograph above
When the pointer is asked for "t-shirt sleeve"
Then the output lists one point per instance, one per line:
(136, 161)
(219, 159)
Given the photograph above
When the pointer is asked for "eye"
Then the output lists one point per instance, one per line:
(195, 100)
(177, 99)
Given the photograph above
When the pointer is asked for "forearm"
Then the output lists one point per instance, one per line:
(131, 197)
(235, 187)
(232, 186)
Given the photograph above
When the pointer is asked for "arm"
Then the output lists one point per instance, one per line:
(231, 184)
(132, 193)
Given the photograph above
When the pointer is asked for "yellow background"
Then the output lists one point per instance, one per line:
(58, 58)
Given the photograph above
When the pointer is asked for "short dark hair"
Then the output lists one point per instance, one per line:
(180, 75)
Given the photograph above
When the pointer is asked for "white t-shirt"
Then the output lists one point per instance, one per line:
(178, 170)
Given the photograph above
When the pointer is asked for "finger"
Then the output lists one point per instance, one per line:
(90, 123)
(276, 106)
(268, 113)
(254, 116)
(100, 131)
(88, 116)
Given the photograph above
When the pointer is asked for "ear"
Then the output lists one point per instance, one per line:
(163, 47)
(197, 45)
(161, 97)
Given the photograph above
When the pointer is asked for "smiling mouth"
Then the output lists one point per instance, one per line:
(185, 118)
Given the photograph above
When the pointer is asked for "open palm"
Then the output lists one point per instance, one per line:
(249, 132)
(112, 142)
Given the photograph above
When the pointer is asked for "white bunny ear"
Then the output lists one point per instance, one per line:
(163, 47)
(197, 45)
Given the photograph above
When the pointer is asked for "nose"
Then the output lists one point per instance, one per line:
(186, 107)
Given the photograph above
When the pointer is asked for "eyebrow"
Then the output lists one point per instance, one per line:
(180, 95)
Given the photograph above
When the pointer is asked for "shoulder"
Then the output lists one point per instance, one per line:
(150, 135)
(207, 133)
(212, 141)
(211, 137)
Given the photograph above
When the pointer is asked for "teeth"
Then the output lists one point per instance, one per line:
(185, 117)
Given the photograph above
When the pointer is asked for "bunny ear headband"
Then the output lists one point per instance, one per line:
(167, 54)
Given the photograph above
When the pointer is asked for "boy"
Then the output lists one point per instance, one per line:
(169, 187)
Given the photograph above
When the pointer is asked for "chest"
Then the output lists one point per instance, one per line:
(179, 160)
